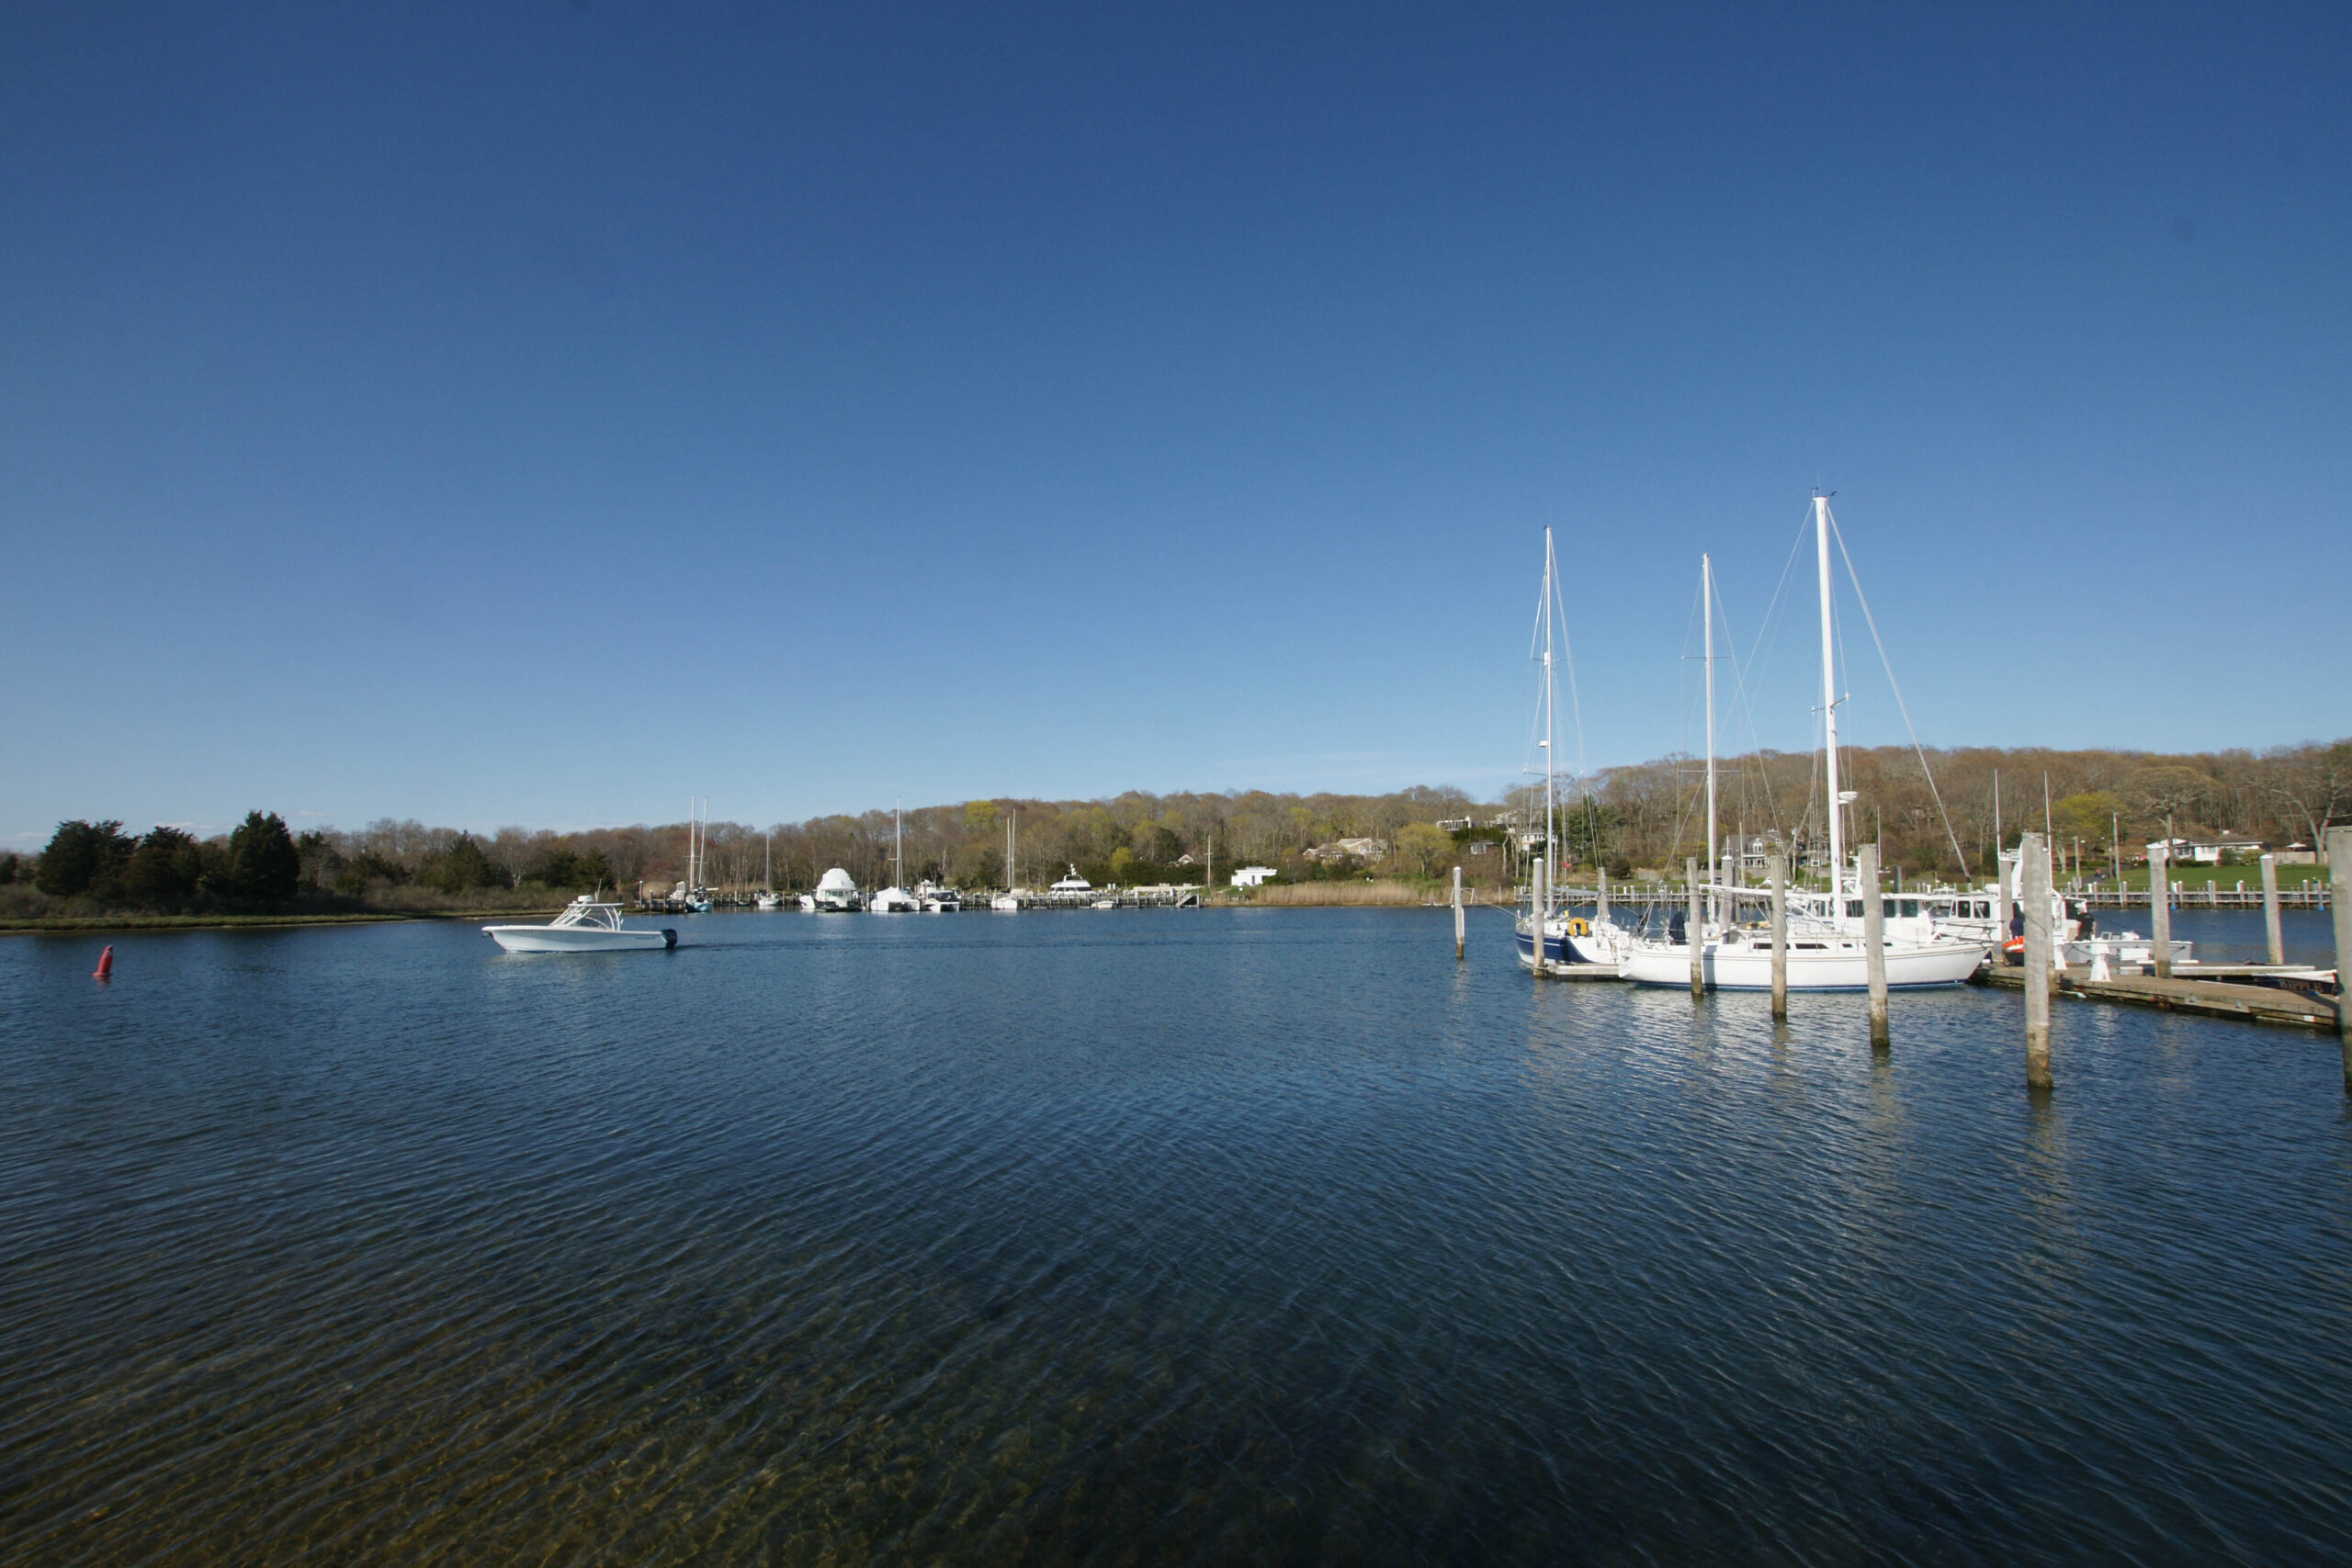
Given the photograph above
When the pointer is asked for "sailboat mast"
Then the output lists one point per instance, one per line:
(1707, 607)
(1551, 706)
(1829, 694)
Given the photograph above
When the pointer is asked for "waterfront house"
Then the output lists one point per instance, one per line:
(2222, 849)
(1254, 875)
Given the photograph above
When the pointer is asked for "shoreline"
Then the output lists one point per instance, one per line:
(73, 925)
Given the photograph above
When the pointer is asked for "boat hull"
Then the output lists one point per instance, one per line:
(1750, 968)
(580, 939)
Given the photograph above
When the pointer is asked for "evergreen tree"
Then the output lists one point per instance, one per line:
(163, 871)
(264, 865)
(82, 857)
(461, 868)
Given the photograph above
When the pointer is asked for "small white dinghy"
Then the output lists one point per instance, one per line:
(585, 925)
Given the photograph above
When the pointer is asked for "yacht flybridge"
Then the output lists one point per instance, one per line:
(585, 925)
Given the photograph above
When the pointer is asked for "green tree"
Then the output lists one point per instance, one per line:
(82, 857)
(461, 868)
(1425, 846)
(2090, 816)
(264, 865)
(164, 869)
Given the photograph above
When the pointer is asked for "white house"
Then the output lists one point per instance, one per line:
(1255, 876)
(2212, 850)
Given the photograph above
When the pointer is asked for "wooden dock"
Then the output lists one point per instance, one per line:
(2235, 997)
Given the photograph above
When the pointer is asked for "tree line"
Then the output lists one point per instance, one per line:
(1643, 815)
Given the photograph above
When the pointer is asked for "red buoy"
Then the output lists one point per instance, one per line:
(106, 965)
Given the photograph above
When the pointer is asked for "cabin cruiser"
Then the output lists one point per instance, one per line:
(1072, 886)
(836, 894)
(585, 925)
(941, 901)
(893, 901)
(767, 901)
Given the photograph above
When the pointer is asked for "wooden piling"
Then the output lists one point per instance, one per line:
(1777, 869)
(1698, 946)
(2271, 909)
(1542, 902)
(1874, 942)
(2033, 891)
(2339, 879)
(1459, 934)
(1600, 909)
(2160, 906)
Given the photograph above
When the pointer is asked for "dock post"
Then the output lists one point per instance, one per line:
(1600, 909)
(2160, 907)
(2001, 887)
(2339, 877)
(1458, 945)
(1874, 943)
(2033, 871)
(1698, 946)
(2271, 909)
(1777, 869)
(1542, 906)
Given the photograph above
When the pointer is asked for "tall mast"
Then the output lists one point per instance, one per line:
(898, 848)
(1829, 694)
(1551, 705)
(1707, 607)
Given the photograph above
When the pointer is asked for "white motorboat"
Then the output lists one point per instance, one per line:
(808, 902)
(767, 901)
(1106, 903)
(1073, 888)
(585, 925)
(836, 894)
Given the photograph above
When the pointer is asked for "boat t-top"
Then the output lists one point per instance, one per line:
(585, 925)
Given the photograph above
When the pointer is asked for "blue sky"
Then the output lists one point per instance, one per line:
(538, 413)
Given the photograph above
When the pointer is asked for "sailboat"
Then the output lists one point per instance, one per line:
(1009, 901)
(1559, 930)
(895, 899)
(690, 892)
(1826, 948)
(768, 899)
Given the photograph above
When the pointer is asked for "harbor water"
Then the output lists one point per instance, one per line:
(1143, 1236)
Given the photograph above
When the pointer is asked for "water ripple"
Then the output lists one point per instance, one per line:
(1138, 1237)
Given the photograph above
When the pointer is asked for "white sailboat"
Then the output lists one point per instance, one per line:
(1571, 944)
(895, 899)
(1009, 901)
(1825, 950)
(768, 899)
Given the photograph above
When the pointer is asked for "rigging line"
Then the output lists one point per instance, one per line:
(1900, 706)
(1739, 699)
(1761, 626)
